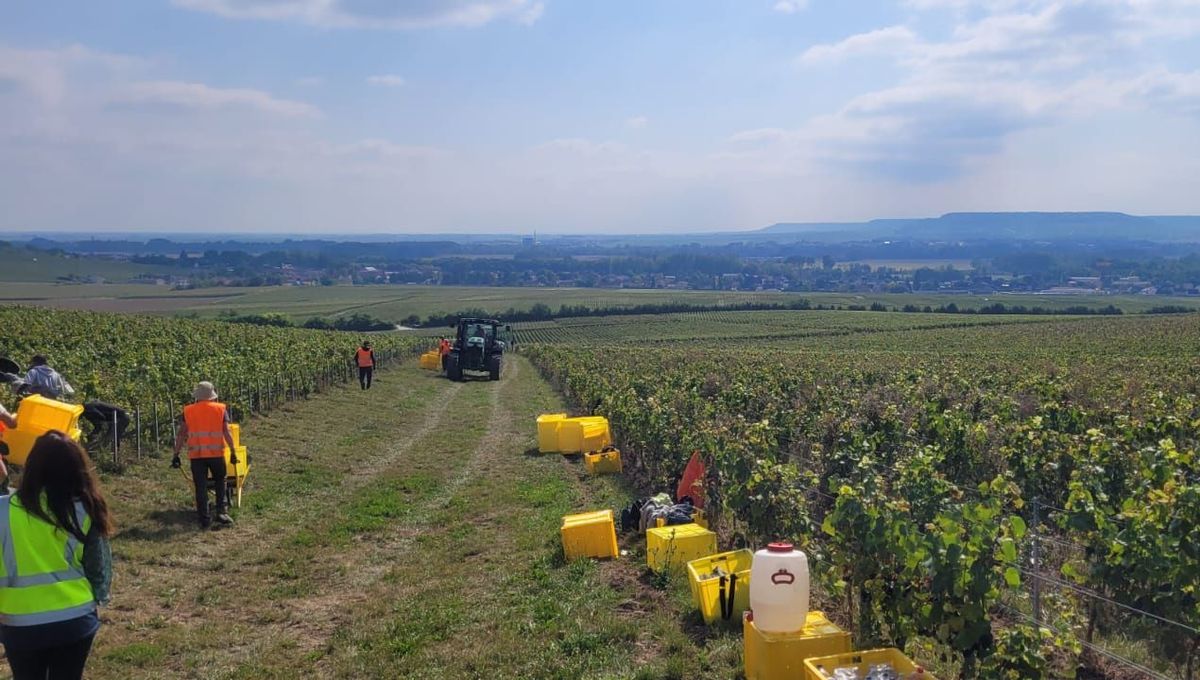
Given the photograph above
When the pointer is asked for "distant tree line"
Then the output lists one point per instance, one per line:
(355, 322)
(999, 308)
(542, 312)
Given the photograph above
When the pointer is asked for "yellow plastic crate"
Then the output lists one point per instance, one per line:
(38, 414)
(547, 428)
(235, 431)
(583, 434)
(590, 534)
(822, 667)
(237, 473)
(782, 656)
(243, 465)
(671, 548)
(704, 577)
(602, 462)
(431, 361)
(20, 443)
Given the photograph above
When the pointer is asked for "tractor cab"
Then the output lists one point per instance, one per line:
(478, 349)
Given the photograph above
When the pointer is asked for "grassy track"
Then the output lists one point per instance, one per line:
(403, 532)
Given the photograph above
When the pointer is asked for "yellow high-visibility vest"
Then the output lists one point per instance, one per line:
(41, 568)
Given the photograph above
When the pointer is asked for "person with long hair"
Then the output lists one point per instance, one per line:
(55, 562)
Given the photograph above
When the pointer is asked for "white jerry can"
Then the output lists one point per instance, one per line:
(779, 588)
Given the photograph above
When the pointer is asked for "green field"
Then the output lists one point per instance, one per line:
(394, 303)
(21, 265)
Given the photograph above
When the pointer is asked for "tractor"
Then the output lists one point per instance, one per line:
(478, 349)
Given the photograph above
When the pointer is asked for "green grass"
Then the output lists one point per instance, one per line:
(138, 654)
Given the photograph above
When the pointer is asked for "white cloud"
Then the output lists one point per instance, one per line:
(402, 14)
(387, 149)
(636, 122)
(764, 135)
(789, 6)
(1007, 66)
(201, 96)
(44, 72)
(386, 80)
(882, 41)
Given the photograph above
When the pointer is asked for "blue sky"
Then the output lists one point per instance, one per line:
(360, 116)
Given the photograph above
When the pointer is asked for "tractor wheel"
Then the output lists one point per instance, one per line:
(453, 370)
(494, 367)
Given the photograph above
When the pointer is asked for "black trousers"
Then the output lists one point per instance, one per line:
(53, 663)
(102, 415)
(364, 376)
(201, 467)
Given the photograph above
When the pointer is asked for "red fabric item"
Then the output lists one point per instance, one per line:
(692, 483)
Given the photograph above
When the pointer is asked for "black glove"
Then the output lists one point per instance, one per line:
(175, 461)
(233, 458)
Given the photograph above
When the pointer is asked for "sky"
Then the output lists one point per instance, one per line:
(597, 116)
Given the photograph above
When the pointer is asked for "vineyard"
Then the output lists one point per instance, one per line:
(744, 326)
(1014, 501)
(1002, 497)
(148, 365)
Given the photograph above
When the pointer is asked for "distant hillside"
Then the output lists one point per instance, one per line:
(1030, 226)
(21, 264)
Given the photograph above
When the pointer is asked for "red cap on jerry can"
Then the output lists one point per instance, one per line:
(779, 547)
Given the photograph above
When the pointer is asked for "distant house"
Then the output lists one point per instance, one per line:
(1130, 284)
(1067, 290)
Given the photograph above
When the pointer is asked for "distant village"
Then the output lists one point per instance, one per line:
(990, 270)
(851, 277)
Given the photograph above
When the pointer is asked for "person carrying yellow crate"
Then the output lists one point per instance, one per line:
(44, 380)
(109, 422)
(205, 431)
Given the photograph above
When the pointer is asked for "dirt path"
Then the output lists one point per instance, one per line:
(408, 531)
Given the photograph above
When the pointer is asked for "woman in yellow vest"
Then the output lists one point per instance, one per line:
(205, 431)
(55, 564)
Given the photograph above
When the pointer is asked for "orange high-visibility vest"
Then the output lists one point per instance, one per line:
(444, 347)
(206, 429)
(364, 358)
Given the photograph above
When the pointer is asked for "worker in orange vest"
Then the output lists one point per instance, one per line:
(365, 358)
(444, 350)
(205, 432)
